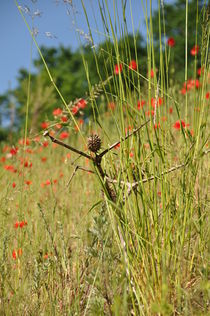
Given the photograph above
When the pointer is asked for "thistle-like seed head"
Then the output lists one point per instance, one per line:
(94, 143)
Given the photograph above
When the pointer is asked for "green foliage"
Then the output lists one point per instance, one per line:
(172, 24)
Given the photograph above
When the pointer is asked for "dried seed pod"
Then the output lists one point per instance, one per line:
(94, 143)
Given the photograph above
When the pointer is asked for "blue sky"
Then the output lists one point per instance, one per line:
(55, 27)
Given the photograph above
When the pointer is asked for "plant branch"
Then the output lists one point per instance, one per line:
(59, 142)
(122, 140)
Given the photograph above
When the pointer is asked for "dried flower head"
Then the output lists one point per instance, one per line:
(94, 143)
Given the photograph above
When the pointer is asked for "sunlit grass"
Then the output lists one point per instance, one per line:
(67, 246)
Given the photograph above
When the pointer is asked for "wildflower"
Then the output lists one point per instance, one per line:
(152, 73)
(45, 144)
(58, 126)
(207, 95)
(140, 104)
(200, 71)
(64, 118)
(28, 182)
(44, 125)
(57, 112)
(194, 51)
(16, 225)
(20, 252)
(64, 135)
(36, 139)
(118, 69)
(46, 256)
(82, 104)
(44, 159)
(171, 42)
(183, 91)
(158, 102)
(21, 224)
(133, 65)
(177, 124)
(74, 110)
(10, 168)
(3, 159)
(111, 105)
(14, 254)
(117, 146)
(23, 141)
(14, 151)
(26, 164)
(13, 184)
(148, 113)
(157, 125)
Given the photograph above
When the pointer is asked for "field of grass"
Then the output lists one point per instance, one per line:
(127, 234)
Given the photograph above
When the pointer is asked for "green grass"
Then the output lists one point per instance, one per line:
(85, 253)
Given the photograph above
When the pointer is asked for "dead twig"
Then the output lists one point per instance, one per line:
(59, 142)
(74, 172)
(122, 140)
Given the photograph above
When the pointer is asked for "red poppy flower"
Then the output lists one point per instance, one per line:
(14, 255)
(117, 146)
(64, 135)
(21, 224)
(14, 185)
(133, 65)
(44, 125)
(14, 151)
(45, 144)
(16, 225)
(44, 159)
(10, 168)
(20, 252)
(57, 112)
(194, 51)
(183, 91)
(152, 73)
(118, 69)
(171, 42)
(111, 105)
(23, 141)
(28, 182)
(207, 95)
(82, 104)
(140, 104)
(148, 113)
(3, 159)
(64, 118)
(199, 71)
(177, 124)
(58, 126)
(74, 110)
(157, 125)
(159, 102)
(170, 110)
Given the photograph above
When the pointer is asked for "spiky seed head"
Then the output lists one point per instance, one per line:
(94, 143)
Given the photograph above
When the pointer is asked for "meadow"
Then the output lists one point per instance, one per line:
(109, 215)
